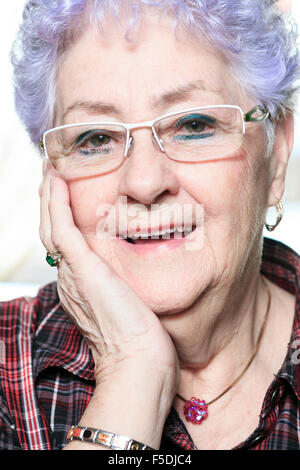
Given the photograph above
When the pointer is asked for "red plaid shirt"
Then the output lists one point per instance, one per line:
(46, 373)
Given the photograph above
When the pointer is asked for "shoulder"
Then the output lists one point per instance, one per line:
(22, 424)
(280, 257)
(281, 265)
(23, 315)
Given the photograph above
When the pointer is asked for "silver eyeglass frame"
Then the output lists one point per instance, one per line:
(248, 117)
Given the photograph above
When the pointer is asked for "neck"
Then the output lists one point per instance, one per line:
(221, 328)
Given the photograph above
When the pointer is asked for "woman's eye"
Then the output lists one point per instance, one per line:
(98, 140)
(195, 126)
(93, 140)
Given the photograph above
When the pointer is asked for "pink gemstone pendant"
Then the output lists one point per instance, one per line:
(195, 410)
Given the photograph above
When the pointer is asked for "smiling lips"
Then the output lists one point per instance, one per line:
(144, 231)
(158, 242)
(153, 235)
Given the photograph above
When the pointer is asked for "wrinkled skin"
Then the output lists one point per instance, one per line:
(173, 313)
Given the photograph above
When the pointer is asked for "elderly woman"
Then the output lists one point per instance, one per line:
(166, 129)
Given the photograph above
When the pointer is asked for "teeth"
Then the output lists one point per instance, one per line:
(163, 232)
(159, 233)
(152, 234)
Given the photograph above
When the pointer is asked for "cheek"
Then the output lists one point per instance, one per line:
(227, 190)
(221, 185)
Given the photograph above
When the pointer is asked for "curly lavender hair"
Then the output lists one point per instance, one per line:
(259, 42)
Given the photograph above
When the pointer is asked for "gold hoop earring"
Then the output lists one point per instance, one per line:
(280, 211)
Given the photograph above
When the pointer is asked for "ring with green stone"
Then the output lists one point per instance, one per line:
(53, 259)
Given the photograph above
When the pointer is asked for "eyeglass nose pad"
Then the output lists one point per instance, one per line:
(161, 145)
(159, 141)
(129, 145)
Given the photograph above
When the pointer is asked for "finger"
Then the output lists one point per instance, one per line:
(45, 222)
(44, 166)
(65, 236)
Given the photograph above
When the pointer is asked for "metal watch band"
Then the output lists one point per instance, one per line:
(105, 438)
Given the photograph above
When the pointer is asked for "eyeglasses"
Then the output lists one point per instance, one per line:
(194, 135)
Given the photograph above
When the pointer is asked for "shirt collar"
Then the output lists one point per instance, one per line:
(282, 266)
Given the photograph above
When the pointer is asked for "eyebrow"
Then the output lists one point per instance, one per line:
(91, 107)
(179, 93)
(168, 98)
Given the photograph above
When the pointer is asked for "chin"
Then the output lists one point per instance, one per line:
(167, 285)
(168, 297)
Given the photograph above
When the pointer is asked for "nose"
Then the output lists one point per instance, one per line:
(147, 172)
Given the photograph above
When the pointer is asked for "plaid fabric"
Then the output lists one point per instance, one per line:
(46, 373)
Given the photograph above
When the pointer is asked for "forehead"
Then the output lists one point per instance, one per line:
(144, 73)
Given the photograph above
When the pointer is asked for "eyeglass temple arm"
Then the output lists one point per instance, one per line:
(257, 114)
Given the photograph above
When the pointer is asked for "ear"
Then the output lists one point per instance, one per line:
(283, 145)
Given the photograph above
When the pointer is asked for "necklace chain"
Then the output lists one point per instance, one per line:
(252, 355)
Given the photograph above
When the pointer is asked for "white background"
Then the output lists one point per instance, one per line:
(22, 255)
